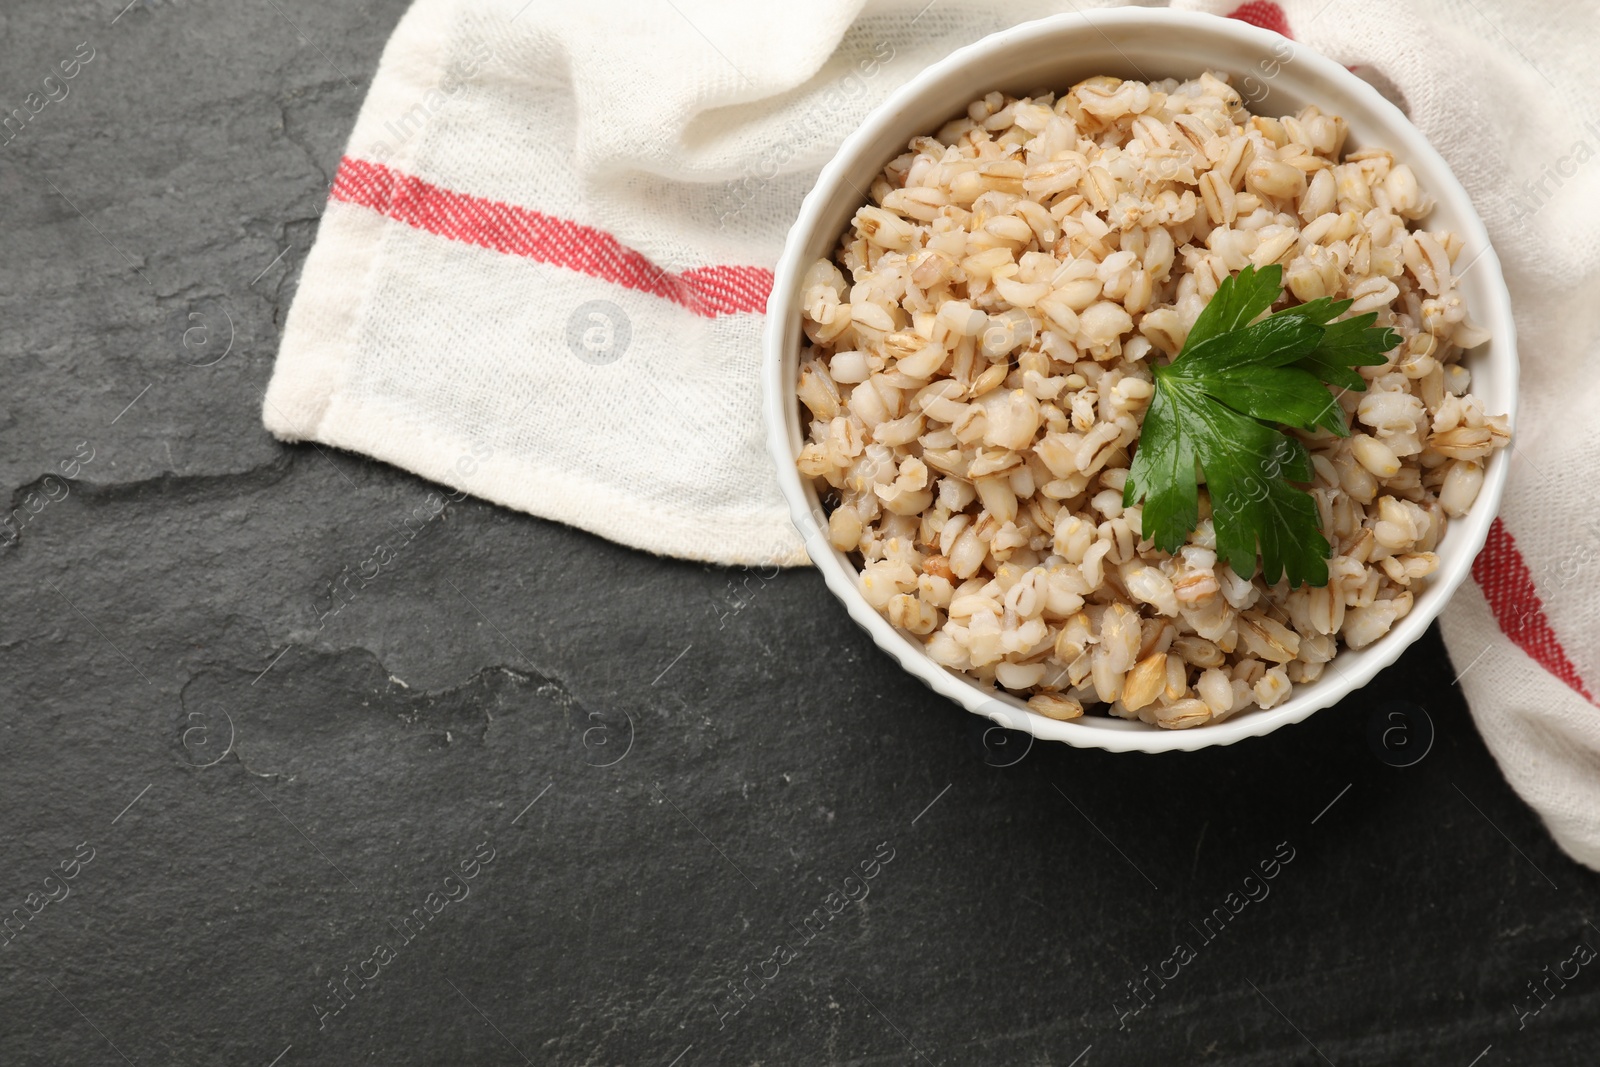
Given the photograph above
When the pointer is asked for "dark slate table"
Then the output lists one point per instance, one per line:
(534, 798)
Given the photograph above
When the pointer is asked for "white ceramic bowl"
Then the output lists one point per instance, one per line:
(1149, 44)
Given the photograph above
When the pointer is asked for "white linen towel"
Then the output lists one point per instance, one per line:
(541, 275)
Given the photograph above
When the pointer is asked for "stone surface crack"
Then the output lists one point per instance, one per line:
(290, 136)
(263, 474)
(224, 483)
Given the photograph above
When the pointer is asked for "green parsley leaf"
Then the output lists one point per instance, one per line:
(1237, 302)
(1219, 410)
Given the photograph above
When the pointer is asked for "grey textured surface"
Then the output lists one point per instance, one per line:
(672, 766)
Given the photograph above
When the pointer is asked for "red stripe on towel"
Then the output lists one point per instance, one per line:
(1507, 585)
(1263, 13)
(520, 231)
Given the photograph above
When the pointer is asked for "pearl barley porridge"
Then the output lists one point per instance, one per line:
(980, 363)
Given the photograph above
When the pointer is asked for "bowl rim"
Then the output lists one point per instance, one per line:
(1106, 732)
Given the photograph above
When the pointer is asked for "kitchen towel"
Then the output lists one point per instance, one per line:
(541, 274)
